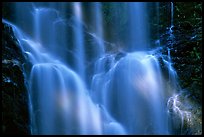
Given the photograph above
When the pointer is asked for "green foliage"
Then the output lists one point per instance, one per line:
(188, 11)
(195, 53)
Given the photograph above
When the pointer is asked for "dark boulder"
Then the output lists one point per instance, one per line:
(15, 112)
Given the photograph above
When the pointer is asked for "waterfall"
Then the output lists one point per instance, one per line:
(79, 40)
(99, 27)
(174, 102)
(171, 25)
(138, 28)
(132, 88)
(128, 93)
(125, 91)
(172, 13)
(157, 42)
(58, 96)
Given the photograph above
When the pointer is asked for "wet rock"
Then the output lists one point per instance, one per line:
(184, 115)
(15, 114)
(185, 25)
(185, 51)
(119, 55)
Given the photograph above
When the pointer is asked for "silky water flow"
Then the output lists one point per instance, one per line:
(126, 98)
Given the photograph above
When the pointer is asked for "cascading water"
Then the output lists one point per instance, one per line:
(99, 27)
(138, 28)
(127, 95)
(157, 42)
(59, 100)
(128, 85)
(134, 81)
(79, 41)
(173, 101)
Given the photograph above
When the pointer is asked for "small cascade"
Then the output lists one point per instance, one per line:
(171, 37)
(174, 105)
(125, 84)
(172, 13)
(157, 42)
(175, 109)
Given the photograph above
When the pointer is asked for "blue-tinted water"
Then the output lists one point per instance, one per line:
(127, 95)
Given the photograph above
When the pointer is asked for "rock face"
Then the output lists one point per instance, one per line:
(186, 53)
(185, 46)
(15, 112)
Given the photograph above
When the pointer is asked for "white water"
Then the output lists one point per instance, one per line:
(127, 96)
